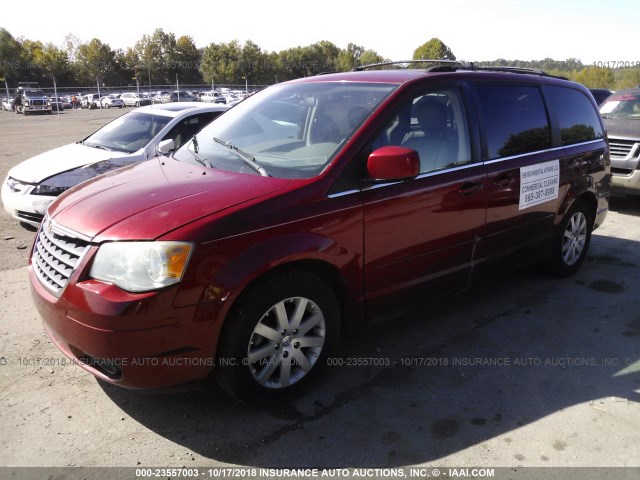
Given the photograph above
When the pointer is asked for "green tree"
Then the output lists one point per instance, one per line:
(369, 57)
(596, 77)
(95, 59)
(10, 57)
(54, 63)
(349, 58)
(187, 56)
(220, 63)
(627, 78)
(434, 49)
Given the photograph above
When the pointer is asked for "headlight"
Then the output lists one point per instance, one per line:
(50, 190)
(141, 266)
(26, 103)
(15, 185)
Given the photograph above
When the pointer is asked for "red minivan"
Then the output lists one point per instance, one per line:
(313, 207)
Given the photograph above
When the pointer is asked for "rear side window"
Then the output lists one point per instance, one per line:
(514, 120)
(577, 117)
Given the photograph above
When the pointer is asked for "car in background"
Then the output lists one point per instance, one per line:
(56, 104)
(133, 99)
(621, 115)
(111, 101)
(159, 95)
(178, 96)
(90, 101)
(66, 102)
(212, 97)
(33, 184)
(600, 94)
(7, 104)
(31, 101)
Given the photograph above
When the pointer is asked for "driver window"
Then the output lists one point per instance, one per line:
(434, 125)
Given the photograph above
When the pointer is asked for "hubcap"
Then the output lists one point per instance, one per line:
(286, 342)
(575, 236)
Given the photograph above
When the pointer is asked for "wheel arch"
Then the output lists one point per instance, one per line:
(305, 252)
(587, 196)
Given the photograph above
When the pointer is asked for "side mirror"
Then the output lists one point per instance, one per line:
(166, 146)
(393, 163)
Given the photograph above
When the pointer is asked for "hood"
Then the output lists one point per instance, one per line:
(622, 127)
(61, 159)
(148, 199)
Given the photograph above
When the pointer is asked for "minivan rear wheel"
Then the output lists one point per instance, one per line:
(571, 245)
(277, 337)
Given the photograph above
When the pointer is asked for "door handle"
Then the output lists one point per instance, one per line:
(469, 188)
(503, 181)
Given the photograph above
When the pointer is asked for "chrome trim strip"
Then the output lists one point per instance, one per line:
(462, 167)
(64, 231)
(555, 149)
(342, 194)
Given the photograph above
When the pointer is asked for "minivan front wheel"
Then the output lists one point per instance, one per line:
(572, 244)
(277, 337)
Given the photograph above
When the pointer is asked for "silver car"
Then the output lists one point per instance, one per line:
(133, 99)
(112, 100)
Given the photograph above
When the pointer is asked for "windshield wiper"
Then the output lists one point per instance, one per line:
(196, 149)
(101, 147)
(247, 157)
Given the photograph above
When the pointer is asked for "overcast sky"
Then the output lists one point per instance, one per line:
(589, 30)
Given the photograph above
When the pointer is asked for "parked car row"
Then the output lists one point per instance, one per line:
(135, 99)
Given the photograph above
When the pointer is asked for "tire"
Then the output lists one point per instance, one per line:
(262, 333)
(572, 242)
(108, 106)
(137, 104)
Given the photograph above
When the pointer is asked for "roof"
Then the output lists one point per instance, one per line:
(175, 109)
(401, 76)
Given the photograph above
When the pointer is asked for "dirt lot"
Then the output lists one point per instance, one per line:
(527, 371)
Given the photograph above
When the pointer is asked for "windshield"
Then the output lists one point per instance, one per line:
(128, 133)
(622, 105)
(33, 93)
(291, 130)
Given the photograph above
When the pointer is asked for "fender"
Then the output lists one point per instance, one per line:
(307, 250)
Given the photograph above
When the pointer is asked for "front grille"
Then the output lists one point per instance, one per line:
(37, 102)
(55, 256)
(29, 216)
(621, 148)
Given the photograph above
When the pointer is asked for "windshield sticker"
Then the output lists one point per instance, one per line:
(609, 106)
(625, 97)
(539, 183)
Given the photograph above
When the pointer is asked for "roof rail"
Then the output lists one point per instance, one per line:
(403, 62)
(522, 70)
(454, 65)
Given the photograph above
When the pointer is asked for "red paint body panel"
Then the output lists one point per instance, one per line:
(154, 197)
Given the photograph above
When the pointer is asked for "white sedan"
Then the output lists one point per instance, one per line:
(111, 101)
(134, 137)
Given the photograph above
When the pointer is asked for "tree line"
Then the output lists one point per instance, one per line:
(162, 59)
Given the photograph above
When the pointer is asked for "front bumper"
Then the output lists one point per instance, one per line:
(23, 206)
(625, 165)
(626, 184)
(130, 340)
(36, 108)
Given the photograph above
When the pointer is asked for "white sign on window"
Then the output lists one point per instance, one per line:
(539, 183)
